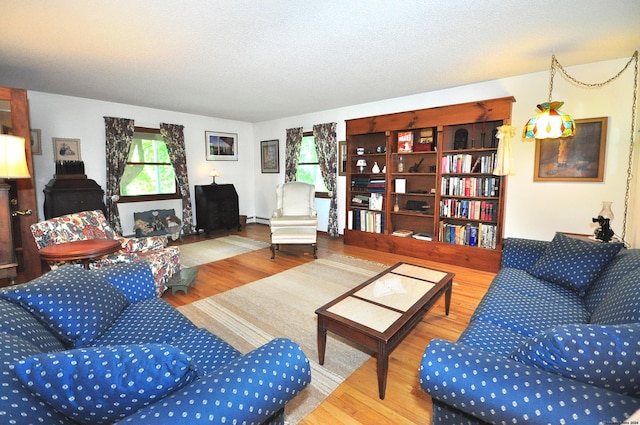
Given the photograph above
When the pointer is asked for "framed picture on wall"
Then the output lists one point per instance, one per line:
(269, 156)
(342, 158)
(221, 146)
(576, 159)
(66, 149)
(36, 141)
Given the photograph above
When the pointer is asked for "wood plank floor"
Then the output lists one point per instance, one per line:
(356, 400)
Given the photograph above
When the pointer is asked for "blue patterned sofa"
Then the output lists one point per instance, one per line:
(555, 340)
(98, 346)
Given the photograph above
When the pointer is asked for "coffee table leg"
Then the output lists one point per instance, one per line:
(383, 366)
(322, 340)
(447, 298)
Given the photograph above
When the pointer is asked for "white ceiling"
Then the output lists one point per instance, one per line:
(259, 60)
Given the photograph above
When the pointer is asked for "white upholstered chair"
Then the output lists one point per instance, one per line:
(295, 220)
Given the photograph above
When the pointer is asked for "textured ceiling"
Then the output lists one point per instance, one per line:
(256, 61)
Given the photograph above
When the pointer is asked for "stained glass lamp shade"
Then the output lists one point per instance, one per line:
(550, 123)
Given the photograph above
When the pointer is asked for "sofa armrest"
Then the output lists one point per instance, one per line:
(247, 390)
(521, 253)
(145, 243)
(500, 390)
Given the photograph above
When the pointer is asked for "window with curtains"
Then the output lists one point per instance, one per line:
(308, 170)
(148, 174)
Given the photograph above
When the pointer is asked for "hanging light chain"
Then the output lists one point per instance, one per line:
(634, 57)
(631, 143)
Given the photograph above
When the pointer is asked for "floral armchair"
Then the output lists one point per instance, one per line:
(163, 260)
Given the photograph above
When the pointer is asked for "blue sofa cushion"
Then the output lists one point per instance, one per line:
(626, 261)
(622, 303)
(135, 280)
(573, 262)
(149, 321)
(18, 405)
(74, 303)
(207, 351)
(102, 384)
(17, 321)
(603, 356)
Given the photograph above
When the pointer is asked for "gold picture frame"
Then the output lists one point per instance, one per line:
(66, 149)
(574, 159)
(342, 158)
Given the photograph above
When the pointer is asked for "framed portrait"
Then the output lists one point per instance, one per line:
(36, 141)
(342, 158)
(575, 159)
(269, 156)
(221, 146)
(66, 149)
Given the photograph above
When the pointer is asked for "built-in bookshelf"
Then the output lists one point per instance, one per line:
(428, 189)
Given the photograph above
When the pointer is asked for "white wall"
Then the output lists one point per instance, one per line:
(72, 117)
(534, 209)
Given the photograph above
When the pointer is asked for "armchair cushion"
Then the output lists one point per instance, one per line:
(101, 384)
(573, 262)
(76, 305)
(603, 356)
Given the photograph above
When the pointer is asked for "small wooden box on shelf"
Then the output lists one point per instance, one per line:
(438, 198)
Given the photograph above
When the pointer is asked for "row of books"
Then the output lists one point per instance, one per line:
(373, 201)
(467, 163)
(470, 186)
(366, 221)
(368, 184)
(481, 235)
(469, 209)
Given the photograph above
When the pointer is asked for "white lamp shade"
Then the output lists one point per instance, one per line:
(214, 173)
(361, 163)
(13, 162)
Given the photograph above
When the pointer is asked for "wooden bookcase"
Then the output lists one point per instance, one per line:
(435, 178)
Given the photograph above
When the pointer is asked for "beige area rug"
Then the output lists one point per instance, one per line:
(197, 253)
(283, 305)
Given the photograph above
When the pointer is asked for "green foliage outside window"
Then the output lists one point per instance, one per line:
(149, 170)
(308, 170)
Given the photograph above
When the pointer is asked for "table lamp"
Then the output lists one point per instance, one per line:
(361, 163)
(13, 165)
(213, 174)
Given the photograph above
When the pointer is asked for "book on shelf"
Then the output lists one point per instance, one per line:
(405, 141)
(375, 201)
(403, 233)
(423, 236)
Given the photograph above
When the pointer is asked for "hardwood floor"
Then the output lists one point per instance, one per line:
(356, 400)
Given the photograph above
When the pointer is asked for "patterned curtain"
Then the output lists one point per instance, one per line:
(173, 137)
(292, 153)
(326, 147)
(119, 133)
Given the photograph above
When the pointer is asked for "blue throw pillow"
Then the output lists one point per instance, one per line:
(74, 303)
(135, 280)
(573, 262)
(103, 384)
(604, 356)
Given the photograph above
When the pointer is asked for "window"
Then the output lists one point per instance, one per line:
(148, 174)
(308, 170)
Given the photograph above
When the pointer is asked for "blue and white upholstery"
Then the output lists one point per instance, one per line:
(99, 347)
(550, 342)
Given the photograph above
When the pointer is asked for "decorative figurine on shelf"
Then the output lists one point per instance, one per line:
(400, 165)
(376, 168)
(414, 168)
(384, 169)
(396, 207)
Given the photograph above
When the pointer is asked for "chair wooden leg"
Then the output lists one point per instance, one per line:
(273, 251)
(315, 250)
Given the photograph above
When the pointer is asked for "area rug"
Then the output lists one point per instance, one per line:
(203, 252)
(283, 305)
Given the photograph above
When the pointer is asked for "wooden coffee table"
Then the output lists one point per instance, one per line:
(85, 250)
(379, 313)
